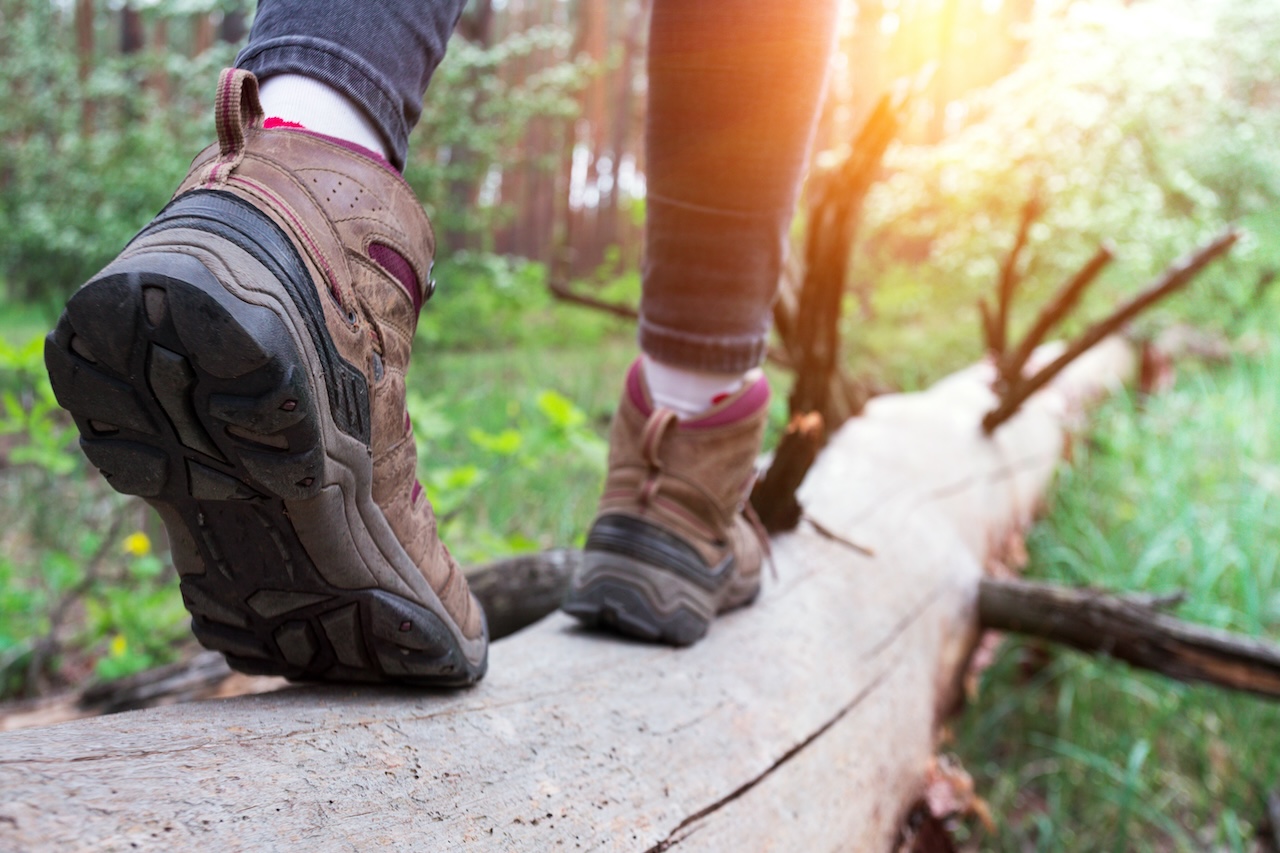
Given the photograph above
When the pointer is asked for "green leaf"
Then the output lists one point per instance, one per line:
(560, 410)
(506, 443)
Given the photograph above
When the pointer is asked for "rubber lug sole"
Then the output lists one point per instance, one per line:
(202, 404)
(621, 594)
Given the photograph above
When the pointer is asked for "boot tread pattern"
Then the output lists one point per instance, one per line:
(201, 404)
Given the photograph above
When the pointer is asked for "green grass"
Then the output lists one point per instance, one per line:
(19, 323)
(502, 473)
(1179, 491)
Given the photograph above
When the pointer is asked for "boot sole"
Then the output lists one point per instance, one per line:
(221, 400)
(619, 593)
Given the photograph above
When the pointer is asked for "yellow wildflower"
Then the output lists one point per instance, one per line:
(136, 544)
(119, 645)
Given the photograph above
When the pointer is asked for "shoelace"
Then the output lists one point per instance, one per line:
(655, 429)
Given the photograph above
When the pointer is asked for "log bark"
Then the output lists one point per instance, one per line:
(804, 722)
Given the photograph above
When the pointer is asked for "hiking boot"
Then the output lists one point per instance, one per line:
(241, 366)
(673, 543)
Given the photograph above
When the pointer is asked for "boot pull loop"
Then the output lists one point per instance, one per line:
(236, 110)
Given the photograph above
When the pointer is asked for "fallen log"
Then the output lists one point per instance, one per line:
(804, 722)
(205, 675)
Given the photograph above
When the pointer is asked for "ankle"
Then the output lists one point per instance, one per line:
(690, 393)
(294, 100)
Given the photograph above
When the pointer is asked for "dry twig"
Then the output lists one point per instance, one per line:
(996, 327)
(560, 290)
(774, 494)
(1171, 281)
(1012, 363)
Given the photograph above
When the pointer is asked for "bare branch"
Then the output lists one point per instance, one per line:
(1172, 280)
(774, 494)
(561, 291)
(839, 193)
(989, 334)
(1009, 279)
(1133, 630)
(1053, 313)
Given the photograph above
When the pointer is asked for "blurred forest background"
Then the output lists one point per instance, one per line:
(1148, 123)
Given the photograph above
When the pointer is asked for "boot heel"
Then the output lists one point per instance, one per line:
(181, 390)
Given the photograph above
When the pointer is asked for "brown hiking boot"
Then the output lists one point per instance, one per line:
(241, 366)
(672, 544)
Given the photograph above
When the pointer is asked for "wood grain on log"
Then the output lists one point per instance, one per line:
(804, 722)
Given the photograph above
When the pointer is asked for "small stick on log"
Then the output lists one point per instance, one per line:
(1009, 280)
(184, 681)
(1066, 298)
(1174, 279)
(774, 494)
(1133, 630)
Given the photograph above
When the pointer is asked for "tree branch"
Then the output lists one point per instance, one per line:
(1172, 280)
(1066, 298)
(998, 327)
(561, 291)
(1132, 629)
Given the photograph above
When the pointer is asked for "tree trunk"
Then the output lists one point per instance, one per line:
(201, 33)
(84, 61)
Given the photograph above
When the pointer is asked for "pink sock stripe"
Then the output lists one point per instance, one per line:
(635, 389)
(744, 404)
(276, 122)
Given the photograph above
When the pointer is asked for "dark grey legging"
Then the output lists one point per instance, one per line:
(734, 86)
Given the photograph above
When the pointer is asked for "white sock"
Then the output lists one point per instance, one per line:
(318, 107)
(689, 393)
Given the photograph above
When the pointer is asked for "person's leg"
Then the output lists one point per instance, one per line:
(241, 365)
(734, 90)
(376, 56)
